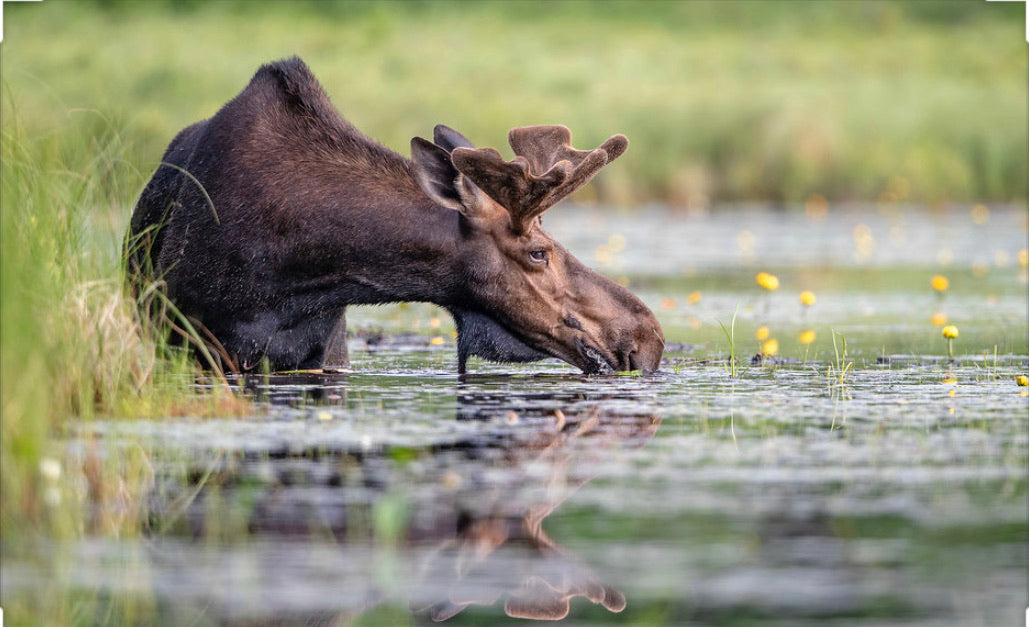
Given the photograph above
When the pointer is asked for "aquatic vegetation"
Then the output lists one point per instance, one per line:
(732, 366)
(838, 370)
(1022, 380)
(950, 332)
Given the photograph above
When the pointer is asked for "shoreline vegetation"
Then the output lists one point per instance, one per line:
(911, 101)
(782, 103)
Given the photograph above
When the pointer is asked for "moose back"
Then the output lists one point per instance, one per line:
(265, 221)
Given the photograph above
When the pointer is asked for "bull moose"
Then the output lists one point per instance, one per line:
(265, 221)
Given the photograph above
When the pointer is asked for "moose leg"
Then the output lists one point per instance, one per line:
(336, 355)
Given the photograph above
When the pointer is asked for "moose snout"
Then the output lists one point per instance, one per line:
(645, 350)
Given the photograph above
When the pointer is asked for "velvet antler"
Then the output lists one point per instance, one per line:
(545, 170)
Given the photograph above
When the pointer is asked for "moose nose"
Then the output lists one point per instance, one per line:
(648, 355)
(645, 352)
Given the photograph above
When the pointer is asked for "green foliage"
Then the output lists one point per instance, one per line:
(732, 367)
(920, 101)
(74, 344)
(839, 370)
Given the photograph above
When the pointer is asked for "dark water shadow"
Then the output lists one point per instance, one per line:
(458, 521)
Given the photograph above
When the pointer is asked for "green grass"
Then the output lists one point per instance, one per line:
(919, 101)
(74, 347)
(732, 366)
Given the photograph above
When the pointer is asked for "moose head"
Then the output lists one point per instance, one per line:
(265, 221)
(533, 298)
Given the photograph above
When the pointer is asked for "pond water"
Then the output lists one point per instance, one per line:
(882, 485)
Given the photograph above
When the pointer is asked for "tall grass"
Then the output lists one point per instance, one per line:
(75, 347)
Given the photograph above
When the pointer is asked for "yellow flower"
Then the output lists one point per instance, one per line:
(667, 303)
(807, 337)
(939, 319)
(939, 283)
(950, 331)
(949, 378)
(437, 341)
(1022, 380)
(694, 297)
(768, 281)
(770, 347)
(1023, 257)
(762, 333)
(807, 298)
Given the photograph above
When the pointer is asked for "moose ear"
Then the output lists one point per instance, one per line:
(448, 138)
(435, 173)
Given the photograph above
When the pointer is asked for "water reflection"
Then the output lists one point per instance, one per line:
(438, 527)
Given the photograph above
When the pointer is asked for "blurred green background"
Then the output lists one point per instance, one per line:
(723, 101)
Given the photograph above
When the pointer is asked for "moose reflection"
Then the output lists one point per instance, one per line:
(472, 531)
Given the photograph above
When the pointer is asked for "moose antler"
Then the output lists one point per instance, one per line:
(545, 170)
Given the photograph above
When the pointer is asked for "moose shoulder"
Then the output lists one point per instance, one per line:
(265, 221)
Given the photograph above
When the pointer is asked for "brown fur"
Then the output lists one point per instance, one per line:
(288, 214)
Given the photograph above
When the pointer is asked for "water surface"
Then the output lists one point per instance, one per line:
(788, 494)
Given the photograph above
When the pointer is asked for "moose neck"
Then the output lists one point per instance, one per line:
(386, 252)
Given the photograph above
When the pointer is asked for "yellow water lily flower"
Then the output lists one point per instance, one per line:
(770, 347)
(939, 283)
(806, 337)
(1022, 380)
(768, 281)
(807, 298)
(950, 332)
(761, 334)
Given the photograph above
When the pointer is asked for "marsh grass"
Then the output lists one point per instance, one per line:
(732, 366)
(76, 348)
(838, 370)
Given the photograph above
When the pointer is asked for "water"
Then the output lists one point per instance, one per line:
(399, 494)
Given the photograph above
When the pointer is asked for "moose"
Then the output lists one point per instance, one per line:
(265, 221)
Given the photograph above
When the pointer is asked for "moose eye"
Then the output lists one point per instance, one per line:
(538, 256)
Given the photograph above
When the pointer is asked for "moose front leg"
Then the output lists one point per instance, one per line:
(336, 355)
